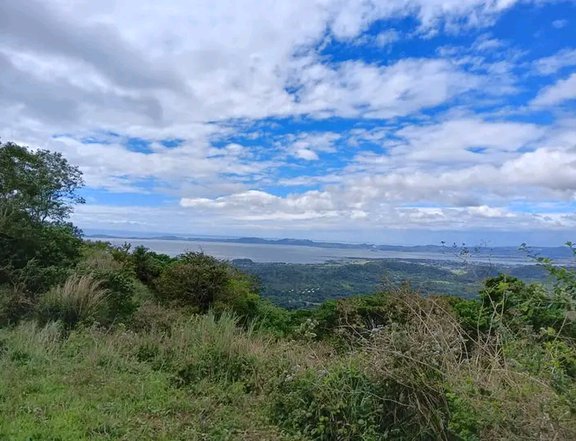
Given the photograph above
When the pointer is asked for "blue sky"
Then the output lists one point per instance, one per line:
(397, 121)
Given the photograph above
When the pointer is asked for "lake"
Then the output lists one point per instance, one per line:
(289, 253)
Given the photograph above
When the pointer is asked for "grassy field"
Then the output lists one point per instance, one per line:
(171, 376)
(98, 385)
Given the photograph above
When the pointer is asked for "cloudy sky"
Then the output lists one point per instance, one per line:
(391, 121)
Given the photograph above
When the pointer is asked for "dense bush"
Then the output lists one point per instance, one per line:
(148, 265)
(202, 282)
(195, 281)
(14, 304)
(333, 403)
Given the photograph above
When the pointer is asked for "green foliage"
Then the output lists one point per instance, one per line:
(14, 304)
(119, 351)
(148, 265)
(202, 282)
(40, 184)
(337, 403)
(112, 268)
(304, 286)
(353, 319)
(37, 246)
(194, 280)
(273, 319)
(517, 306)
(473, 317)
(92, 384)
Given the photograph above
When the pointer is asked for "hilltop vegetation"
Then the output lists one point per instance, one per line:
(304, 285)
(112, 343)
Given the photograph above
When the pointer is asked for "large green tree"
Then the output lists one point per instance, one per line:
(38, 189)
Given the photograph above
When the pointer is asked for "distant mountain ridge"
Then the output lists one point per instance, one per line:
(550, 252)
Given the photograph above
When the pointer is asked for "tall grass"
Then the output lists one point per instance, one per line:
(205, 377)
(425, 378)
(80, 298)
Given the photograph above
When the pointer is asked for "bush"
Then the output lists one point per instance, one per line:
(153, 317)
(79, 299)
(148, 265)
(336, 403)
(508, 303)
(353, 319)
(273, 319)
(207, 348)
(14, 305)
(194, 280)
(203, 282)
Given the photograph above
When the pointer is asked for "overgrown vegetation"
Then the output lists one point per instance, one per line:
(100, 343)
(295, 286)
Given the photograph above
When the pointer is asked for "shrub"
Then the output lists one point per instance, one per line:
(153, 317)
(520, 308)
(274, 319)
(353, 319)
(148, 265)
(238, 296)
(194, 280)
(207, 348)
(79, 299)
(202, 282)
(339, 402)
(14, 304)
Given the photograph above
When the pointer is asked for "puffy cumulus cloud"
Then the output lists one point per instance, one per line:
(464, 140)
(354, 88)
(176, 69)
(259, 205)
(308, 146)
(334, 210)
(169, 63)
(563, 90)
(387, 37)
(478, 191)
(110, 83)
(193, 166)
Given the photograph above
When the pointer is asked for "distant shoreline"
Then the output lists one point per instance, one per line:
(562, 253)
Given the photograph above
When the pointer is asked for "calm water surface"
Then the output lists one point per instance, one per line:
(279, 253)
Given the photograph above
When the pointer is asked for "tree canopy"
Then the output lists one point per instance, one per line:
(38, 189)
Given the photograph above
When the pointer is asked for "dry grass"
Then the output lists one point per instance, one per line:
(80, 298)
(445, 380)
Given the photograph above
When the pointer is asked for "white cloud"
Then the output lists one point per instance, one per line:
(308, 155)
(356, 88)
(467, 140)
(169, 63)
(553, 63)
(307, 146)
(386, 38)
(184, 69)
(559, 24)
(561, 91)
(476, 192)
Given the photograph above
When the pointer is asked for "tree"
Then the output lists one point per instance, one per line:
(37, 192)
